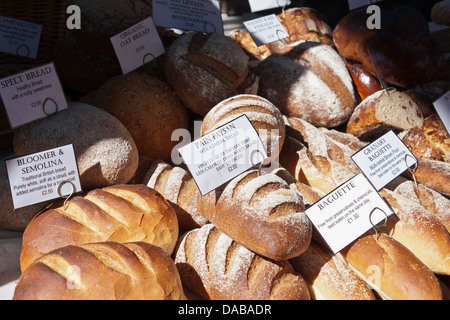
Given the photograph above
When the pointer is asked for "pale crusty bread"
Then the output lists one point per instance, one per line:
(328, 277)
(102, 271)
(105, 151)
(121, 213)
(216, 267)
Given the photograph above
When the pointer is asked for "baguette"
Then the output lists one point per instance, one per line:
(102, 271)
(393, 271)
(215, 267)
(122, 213)
(433, 174)
(261, 212)
(328, 277)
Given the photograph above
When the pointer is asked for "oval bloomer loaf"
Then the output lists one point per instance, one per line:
(102, 271)
(216, 267)
(121, 213)
(261, 212)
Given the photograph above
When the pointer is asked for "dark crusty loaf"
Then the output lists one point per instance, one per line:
(121, 213)
(216, 267)
(102, 271)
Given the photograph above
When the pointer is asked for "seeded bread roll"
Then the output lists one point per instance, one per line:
(216, 267)
(310, 82)
(205, 69)
(260, 211)
(328, 277)
(265, 117)
(105, 151)
(391, 269)
(102, 271)
(383, 111)
(122, 213)
(147, 106)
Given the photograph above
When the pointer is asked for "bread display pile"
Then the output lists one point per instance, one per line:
(141, 229)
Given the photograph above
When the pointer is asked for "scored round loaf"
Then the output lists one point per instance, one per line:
(265, 117)
(121, 213)
(102, 271)
(205, 69)
(147, 106)
(310, 82)
(260, 211)
(216, 267)
(105, 151)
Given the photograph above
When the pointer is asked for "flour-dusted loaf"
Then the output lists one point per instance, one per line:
(393, 271)
(265, 117)
(382, 111)
(105, 151)
(260, 211)
(121, 213)
(216, 267)
(310, 82)
(102, 271)
(205, 69)
(328, 277)
(147, 106)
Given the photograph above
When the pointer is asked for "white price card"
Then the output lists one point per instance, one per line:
(224, 153)
(194, 15)
(31, 95)
(442, 106)
(266, 29)
(353, 4)
(19, 37)
(260, 5)
(347, 212)
(43, 176)
(137, 45)
(384, 159)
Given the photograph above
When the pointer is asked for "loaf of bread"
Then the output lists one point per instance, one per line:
(180, 189)
(147, 106)
(102, 271)
(432, 200)
(105, 151)
(205, 69)
(366, 84)
(440, 12)
(401, 48)
(328, 277)
(121, 213)
(310, 82)
(261, 212)
(382, 111)
(391, 269)
(216, 267)
(265, 117)
(433, 174)
(301, 24)
(418, 230)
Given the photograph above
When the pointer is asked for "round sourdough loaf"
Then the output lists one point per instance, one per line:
(310, 82)
(265, 117)
(105, 151)
(147, 106)
(120, 213)
(102, 271)
(205, 69)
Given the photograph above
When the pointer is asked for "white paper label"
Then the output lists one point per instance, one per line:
(19, 37)
(223, 154)
(266, 29)
(43, 176)
(442, 106)
(384, 159)
(194, 15)
(347, 212)
(353, 4)
(260, 5)
(32, 94)
(137, 45)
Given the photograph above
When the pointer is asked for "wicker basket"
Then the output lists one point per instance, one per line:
(50, 14)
